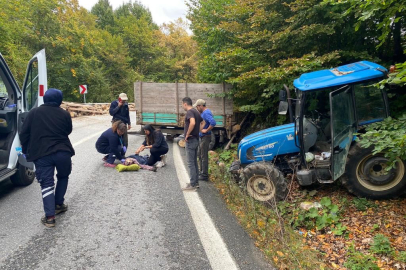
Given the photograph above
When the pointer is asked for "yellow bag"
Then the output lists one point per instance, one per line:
(132, 167)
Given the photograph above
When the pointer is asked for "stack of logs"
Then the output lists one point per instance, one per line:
(80, 109)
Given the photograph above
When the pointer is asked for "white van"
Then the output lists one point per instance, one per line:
(14, 107)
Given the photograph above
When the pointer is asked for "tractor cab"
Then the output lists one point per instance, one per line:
(329, 108)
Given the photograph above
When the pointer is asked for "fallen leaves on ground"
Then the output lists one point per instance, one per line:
(387, 217)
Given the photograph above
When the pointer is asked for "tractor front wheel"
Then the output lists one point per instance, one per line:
(265, 182)
(366, 175)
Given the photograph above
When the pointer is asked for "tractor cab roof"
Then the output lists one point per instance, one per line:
(347, 74)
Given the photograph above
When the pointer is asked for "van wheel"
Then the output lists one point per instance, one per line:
(366, 174)
(23, 176)
(265, 182)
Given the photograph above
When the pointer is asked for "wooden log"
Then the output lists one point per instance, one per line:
(85, 111)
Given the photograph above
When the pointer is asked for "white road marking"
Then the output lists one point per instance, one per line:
(216, 250)
(87, 138)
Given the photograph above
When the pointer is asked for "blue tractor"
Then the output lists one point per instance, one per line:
(319, 144)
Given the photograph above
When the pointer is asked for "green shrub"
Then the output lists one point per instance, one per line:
(381, 245)
(360, 261)
(320, 219)
(363, 204)
(401, 256)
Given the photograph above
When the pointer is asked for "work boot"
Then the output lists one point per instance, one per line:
(60, 208)
(48, 222)
(203, 178)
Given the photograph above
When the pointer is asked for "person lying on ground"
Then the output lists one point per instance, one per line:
(111, 144)
(156, 143)
(135, 160)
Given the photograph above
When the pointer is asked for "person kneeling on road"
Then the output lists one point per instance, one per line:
(44, 139)
(156, 143)
(110, 143)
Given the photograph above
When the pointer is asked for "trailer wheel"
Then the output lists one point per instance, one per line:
(213, 141)
(265, 182)
(366, 176)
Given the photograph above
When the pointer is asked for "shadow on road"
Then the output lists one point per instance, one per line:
(6, 188)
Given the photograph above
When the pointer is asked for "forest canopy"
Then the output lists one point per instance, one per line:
(104, 48)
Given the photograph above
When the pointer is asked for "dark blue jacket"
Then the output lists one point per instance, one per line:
(110, 141)
(46, 129)
(159, 140)
(120, 113)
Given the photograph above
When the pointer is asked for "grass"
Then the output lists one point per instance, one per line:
(263, 222)
(319, 239)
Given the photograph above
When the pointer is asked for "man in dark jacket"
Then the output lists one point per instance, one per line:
(44, 139)
(120, 112)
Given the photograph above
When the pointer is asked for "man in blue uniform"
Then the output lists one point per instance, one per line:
(44, 139)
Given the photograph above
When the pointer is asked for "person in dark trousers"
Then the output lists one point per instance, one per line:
(120, 112)
(111, 144)
(191, 133)
(44, 139)
(157, 145)
(205, 138)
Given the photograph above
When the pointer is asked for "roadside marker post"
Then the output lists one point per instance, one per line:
(83, 91)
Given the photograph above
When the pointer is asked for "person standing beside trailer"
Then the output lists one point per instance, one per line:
(191, 132)
(205, 138)
(121, 112)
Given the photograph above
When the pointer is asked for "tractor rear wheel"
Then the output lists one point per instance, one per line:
(366, 174)
(265, 182)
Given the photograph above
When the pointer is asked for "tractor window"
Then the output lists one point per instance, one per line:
(370, 103)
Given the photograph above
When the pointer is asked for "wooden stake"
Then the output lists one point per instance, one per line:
(235, 134)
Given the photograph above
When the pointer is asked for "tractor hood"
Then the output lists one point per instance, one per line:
(264, 145)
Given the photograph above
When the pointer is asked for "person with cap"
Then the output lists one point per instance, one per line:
(191, 133)
(120, 112)
(204, 138)
(44, 139)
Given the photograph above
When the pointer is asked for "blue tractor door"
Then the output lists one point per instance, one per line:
(343, 127)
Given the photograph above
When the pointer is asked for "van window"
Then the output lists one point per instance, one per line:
(31, 87)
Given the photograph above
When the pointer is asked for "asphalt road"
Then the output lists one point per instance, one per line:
(129, 220)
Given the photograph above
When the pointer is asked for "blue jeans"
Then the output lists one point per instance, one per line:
(45, 169)
(191, 155)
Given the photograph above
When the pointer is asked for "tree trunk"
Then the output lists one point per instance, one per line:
(398, 54)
